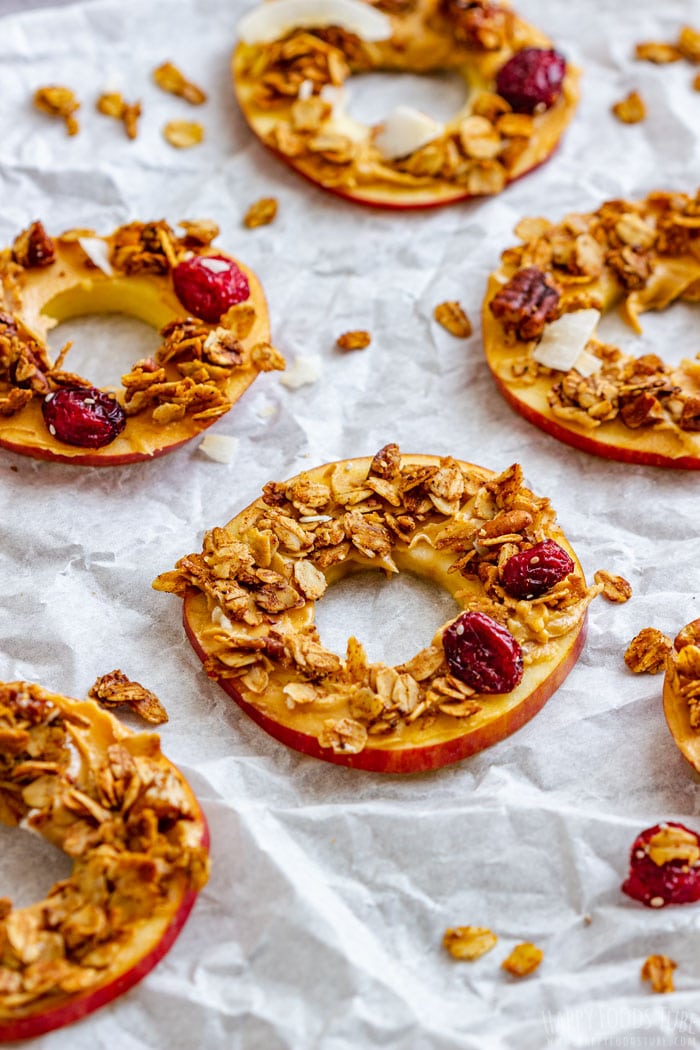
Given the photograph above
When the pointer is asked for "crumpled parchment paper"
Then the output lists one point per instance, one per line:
(330, 890)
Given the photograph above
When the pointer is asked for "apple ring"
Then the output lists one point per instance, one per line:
(139, 842)
(295, 56)
(249, 608)
(211, 312)
(682, 692)
(539, 328)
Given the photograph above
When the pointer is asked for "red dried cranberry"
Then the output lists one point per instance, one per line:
(209, 285)
(674, 882)
(482, 653)
(531, 80)
(83, 416)
(533, 572)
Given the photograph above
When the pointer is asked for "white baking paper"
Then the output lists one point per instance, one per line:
(321, 926)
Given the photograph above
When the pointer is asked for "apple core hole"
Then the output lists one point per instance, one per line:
(29, 866)
(669, 333)
(393, 618)
(105, 345)
(371, 97)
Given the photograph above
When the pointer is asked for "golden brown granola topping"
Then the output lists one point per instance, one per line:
(468, 943)
(659, 970)
(357, 340)
(685, 669)
(453, 318)
(631, 109)
(647, 652)
(261, 213)
(523, 960)
(260, 574)
(169, 78)
(58, 101)
(615, 588)
(674, 843)
(112, 104)
(657, 52)
(183, 134)
(114, 689)
(108, 799)
(33, 247)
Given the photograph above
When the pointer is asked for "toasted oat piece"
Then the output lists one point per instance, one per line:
(615, 588)
(453, 318)
(659, 970)
(646, 653)
(523, 960)
(113, 104)
(630, 110)
(357, 340)
(58, 101)
(261, 213)
(182, 134)
(169, 78)
(688, 43)
(468, 943)
(114, 689)
(657, 52)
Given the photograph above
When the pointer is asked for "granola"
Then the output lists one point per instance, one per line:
(648, 651)
(468, 943)
(59, 101)
(523, 960)
(261, 213)
(169, 78)
(113, 689)
(658, 969)
(290, 90)
(453, 319)
(128, 820)
(113, 104)
(250, 594)
(683, 678)
(631, 109)
(356, 340)
(541, 314)
(615, 588)
(197, 372)
(183, 134)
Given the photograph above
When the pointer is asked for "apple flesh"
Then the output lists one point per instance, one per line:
(68, 288)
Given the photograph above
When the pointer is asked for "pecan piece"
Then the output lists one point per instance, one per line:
(526, 303)
(33, 247)
(690, 416)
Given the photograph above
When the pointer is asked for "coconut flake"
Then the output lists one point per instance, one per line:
(219, 617)
(214, 265)
(273, 20)
(97, 252)
(404, 131)
(587, 364)
(219, 447)
(565, 339)
(305, 369)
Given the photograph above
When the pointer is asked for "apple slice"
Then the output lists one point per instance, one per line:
(682, 670)
(595, 397)
(443, 704)
(478, 152)
(84, 278)
(132, 888)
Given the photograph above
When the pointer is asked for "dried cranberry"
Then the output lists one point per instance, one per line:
(531, 80)
(83, 416)
(676, 881)
(482, 653)
(533, 572)
(209, 285)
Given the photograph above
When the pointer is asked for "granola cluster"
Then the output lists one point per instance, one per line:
(297, 81)
(260, 575)
(122, 812)
(683, 669)
(645, 253)
(190, 373)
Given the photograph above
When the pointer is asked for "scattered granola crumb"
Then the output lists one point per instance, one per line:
(468, 943)
(220, 447)
(58, 101)
(183, 134)
(358, 340)
(112, 104)
(115, 688)
(261, 213)
(453, 318)
(657, 52)
(696, 83)
(587, 920)
(659, 970)
(615, 588)
(523, 960)
(689, 43)
(169, 78)
(303, 371)
(646, 653)
(630, 110)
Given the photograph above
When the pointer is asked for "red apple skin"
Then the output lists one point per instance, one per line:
(416, 759)
(82, 1005)
(589, 444)
(88, 459)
